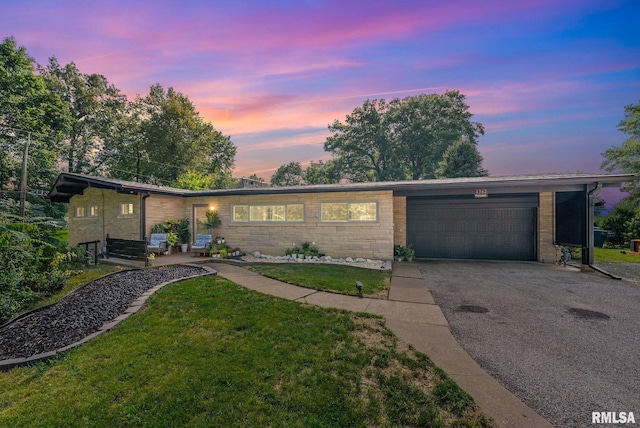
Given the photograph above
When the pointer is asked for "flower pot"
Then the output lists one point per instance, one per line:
(184, 247)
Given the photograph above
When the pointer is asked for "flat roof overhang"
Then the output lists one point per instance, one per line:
(69, 184)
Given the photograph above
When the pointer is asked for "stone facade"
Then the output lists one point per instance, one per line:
(546, 228)
(352, 239)
(161, 207)
(103, 215)
(108, 219)
(400, 220)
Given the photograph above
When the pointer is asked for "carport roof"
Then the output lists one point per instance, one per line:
(70, 184)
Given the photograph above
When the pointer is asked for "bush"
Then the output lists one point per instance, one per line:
(34, 261)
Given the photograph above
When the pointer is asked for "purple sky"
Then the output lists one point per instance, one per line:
(548, 78)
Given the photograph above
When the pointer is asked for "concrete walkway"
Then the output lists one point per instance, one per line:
(412, 315)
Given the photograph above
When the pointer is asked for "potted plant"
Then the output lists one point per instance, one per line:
(150, 258)
(172, 239)
(223, 253)
(213, 220)
(184, 234)
(398, 252)
(409, 253)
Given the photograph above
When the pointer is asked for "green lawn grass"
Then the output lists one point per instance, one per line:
(327, 277)
(613, 255)
(207, 352)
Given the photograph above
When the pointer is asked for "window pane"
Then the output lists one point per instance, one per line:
(258, 213)
(126, 209)
(334, 212)
(278, 212)
(79, 212)
(241, 213)
(364, 211)
(93, 211)
(200, 219)
(295, 212)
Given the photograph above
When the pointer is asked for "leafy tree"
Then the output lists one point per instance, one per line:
(616, 222)
(633, 227)
(364, 144)
(27, 106)
(323, 172)
(95, 106)
(403, 139)
(193, 180)
(425, 126)
(461, 159)
(626, 158)
(164, 136)
(288, 175)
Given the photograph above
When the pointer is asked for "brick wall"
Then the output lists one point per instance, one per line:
(546, 228)
(108, 221)
(369, 240)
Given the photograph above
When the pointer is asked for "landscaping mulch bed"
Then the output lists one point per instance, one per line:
(82, 312)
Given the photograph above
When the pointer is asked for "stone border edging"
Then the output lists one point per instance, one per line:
(135, 306)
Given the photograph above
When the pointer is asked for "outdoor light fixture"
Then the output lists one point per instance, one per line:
(212, 208)
(359, 287)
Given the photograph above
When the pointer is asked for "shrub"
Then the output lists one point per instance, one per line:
(35, 263)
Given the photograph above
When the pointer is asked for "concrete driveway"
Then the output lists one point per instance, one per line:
(566, 343)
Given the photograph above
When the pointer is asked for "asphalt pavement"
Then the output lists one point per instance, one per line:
(565, 342)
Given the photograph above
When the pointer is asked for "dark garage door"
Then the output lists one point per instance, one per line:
(498, 228)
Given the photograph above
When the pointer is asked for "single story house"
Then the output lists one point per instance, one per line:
(496, 218)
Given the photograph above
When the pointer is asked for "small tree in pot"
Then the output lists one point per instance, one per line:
(184, 234)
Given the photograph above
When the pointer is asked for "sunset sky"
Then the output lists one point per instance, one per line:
(548, 79)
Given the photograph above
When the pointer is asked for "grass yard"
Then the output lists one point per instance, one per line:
(207, 352)
(609, 255)
(614, 255)
(328, 277)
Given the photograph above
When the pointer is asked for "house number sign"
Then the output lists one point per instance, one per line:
(481, 193)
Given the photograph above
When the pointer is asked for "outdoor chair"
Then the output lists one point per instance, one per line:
(157, 243)
(202, 245)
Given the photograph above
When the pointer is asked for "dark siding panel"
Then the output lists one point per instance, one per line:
(472, 229)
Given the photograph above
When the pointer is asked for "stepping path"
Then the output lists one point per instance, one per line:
(413, 316)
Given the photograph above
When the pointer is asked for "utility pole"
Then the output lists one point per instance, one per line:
(23, 183)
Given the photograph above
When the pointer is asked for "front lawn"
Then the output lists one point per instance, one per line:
(613, 255)
(207, 352)
(327, 277)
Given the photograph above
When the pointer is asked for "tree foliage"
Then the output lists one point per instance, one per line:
(96, 107)
(27, 110)
(163, 137)
(461, 159)
(288, 175)
(626, 158)
(403, 139)
(194, 180)
(321, 172)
